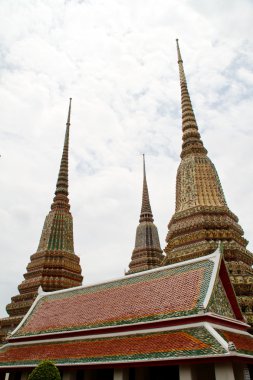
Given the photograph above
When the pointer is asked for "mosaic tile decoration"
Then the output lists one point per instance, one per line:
(202, 217)
(243, 343)
(147, 253)
(54, 266)
(219, 302)
(158, 345)
(151, 296)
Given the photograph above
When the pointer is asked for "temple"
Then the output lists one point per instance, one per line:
(202, 217)
(179, 322)
(147, 253)
(183, 316)
(54, 266)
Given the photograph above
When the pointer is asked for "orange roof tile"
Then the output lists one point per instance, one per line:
(149, 296)
(137, 347)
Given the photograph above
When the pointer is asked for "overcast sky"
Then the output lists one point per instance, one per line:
(117, 60)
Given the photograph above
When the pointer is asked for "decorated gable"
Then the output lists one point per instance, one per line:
(219, 303)
(222, 299)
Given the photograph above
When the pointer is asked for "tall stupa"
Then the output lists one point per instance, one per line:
(55, 265)
(147, 253)
(202, 217)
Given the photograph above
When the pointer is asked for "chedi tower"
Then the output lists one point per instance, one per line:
(147, 253)
(54, 266)
(202, 217)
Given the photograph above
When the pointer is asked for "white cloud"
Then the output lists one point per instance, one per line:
(117, 59)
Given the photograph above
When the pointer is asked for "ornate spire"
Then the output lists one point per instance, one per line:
(57, 232)
(146, 212)
(54, 266)
(198, 183)
(61, 200)
(202, 217)
(147, 253)
(191, 137)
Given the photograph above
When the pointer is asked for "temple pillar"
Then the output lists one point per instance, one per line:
(7, 375)
(120, 374)
(142, 373)
(224, 371)
(24, 375)
(246, 373)
(69, 375)
(185, 372)
(239, 372)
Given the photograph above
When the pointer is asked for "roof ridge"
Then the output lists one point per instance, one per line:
(210, 257)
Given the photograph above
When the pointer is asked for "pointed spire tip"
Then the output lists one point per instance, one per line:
(191, 138)
(61, 192)
(69, 112)
(178, 52)
(144, 166)
(146, 213)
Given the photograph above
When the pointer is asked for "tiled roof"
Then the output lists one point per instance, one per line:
(243, 342)
(138, 347)
(154, 295)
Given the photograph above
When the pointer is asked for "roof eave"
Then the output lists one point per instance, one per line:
(169, 322)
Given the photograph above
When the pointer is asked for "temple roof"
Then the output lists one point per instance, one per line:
(187, 342)
(160, 294)
(184, 311)
(242, 343)
(179, 290)
(199, 341)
